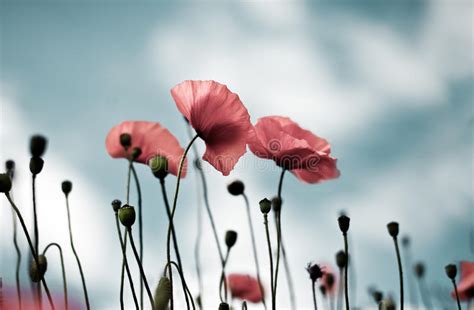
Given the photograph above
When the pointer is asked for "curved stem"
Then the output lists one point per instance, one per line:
(63, 270)
(186, 290)
(457, 294)
(36, 235)
(222, 281)
(269, 243)
(84, 287)
(18, 260)
(32, 248)
(123, 246)
(173, 210)
(411, 286)
(278, 224)
(400, 271)
(140, 266)
(140, 227)
(288, 276)
(254, 246)
(173, 233)
(346, 267)
(313, 285)
(424, 294)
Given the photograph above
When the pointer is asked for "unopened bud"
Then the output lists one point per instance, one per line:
(36, 165)
(393, 229)
(10, 167)
(66, 186)
(276, 204)
(5, 183)
(116, 204)
(127, 215)
(230, 238)
(451, 271)
(162, 294)
(159, 166)
(344, 222)
(236, 188)
(126, 140)
(38, 145)
(265, 205)
(224, 306)
(136, 152)
(341, 259)
(37, 271)
(419, 270)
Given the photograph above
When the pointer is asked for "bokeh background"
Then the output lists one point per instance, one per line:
(390, 85)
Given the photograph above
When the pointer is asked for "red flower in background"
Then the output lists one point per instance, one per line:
(466, 282)
(245, 287)
(329, 280)
(219, 118)
(28, 302)
(151, 138)
(291, 147)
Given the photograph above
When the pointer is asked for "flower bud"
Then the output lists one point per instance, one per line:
(344, 221)
(451, 271)
(5, 183)
(265, 205)
(162, 294)
(136, 152)
(159, 166)
(224, 306)
(127, 215)
(314, 271)
(419, 270)
(125, 140)
(230, 238)
(330, 280)
(10, 167)
(405, 241)
(341, 259)
(37, 271)
(377, 296)
(236, 188)
(116, 204)
(38, 145)
(36, 165)
(393, 229)
(388, 304)
(276, 204)
(66, 186)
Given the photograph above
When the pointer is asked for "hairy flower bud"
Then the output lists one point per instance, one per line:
(127, 215)
(162, 294)
(344, 221)
(66, 187)
(230, 238)
(236, 188)
(451, 271)
(265, 205)
(159, 166)
(37, 271)
(5, 183)
(36, 165)
(393, 229)
(126, 140)
(38, 145)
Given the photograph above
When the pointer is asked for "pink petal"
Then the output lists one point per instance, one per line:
(324, 169)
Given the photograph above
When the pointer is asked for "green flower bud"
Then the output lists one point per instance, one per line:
(341, 259)
(159, 166)
(36, 165)
(230, 238)
(126, 140)
(276, 204)
(162, 294)
(265, 205)
(451, 271)
(37, 271)
(38, 145)
(136, 152)
(66, 187)
(236, 188)
(393, 229)
(5, 183)
(127, 215)
(116, 204)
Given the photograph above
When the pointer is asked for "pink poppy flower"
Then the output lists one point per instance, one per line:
(28, 302)
(219, 118)
(245, 287)
(296, 149)
(466, 282)
(151, 138)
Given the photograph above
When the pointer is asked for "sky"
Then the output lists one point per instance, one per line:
(389, 85)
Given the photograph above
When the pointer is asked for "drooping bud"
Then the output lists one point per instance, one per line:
(236, 188)
(224, 306)
(162, 294)
(37, 271)
(159, 166)
(276, 204)
(393, 229)
(36, 165)
(5, 183)
(419, 269)
(10, 167)
(341, 259)
(38, 145)
(314, 271)
(344, 222)
(66, 186)
(451, 271)
(125, 140)
(116, 204)
(265, 205)
(136, 152)
(230, 238)
(127, 215)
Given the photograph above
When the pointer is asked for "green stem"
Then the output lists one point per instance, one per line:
(346, 267)
(83, 280)
(123, 246)
(63, 270)
(288, 276)
(269, 243)
(457, 294)
(36, 235)
(173, 232)
(186, 290)
(278, 224)
(222, 281)
(173, 210)
(254, 246)
(140, 226)
(18, 260)
(140, 266)
(313, 285)
(424, 295)
(400, 271)
(32, 248)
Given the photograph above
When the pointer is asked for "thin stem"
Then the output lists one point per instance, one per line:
(400, 271)
(269, 243)
(340, 290)
(140, 226)
(30, 243)
(36, 234)
(18, 260)
(222, 281)
(346, 267)
(288, 276)
(173, 233)
(278, 225)
(137, 257)
(457, 294)
(173, 210)
(123, 246)
(63, 270)
(127, 197)
(254, 246)
(424, 295)
(186, 290)
(84, 287)
(411, 286)
(313, 285)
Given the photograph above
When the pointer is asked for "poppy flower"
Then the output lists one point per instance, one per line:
(466, 282)
(28, 302)
(306, 155)
(219, 118)
(328, 280)
(245, 287)
(151, 138)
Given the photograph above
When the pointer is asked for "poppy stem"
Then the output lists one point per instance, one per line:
(288, 276)
(123, 247)
(254, 246)
(457, 294)
(175, 241)
(140, 225)
(36, 235)
(400, 270)
(346, 267)
(186, 290)
(222, 281)
(127, 198)
(269, 243)
(424, 294)
(173, 210)
(140, 266)
(278, 224)
(63, 270)
(313, 285)
(83, 280)
(340, 290)
(18, 260)
(32, 248)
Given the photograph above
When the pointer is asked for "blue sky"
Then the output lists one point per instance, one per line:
(390, 86)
